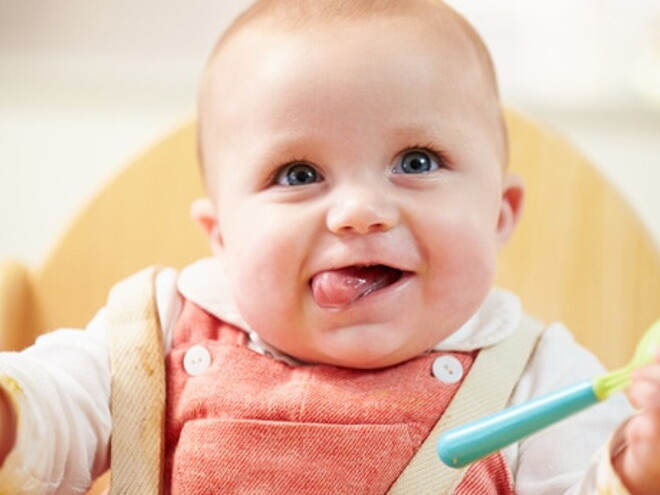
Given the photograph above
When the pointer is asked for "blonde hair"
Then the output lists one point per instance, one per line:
(300, 14)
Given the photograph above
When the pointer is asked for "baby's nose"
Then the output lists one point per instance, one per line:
(362, 212)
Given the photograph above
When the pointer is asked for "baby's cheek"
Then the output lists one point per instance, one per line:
(467, 265)
(265, 297)
(462, 278)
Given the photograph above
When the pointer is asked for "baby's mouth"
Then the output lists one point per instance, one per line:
(336, 289)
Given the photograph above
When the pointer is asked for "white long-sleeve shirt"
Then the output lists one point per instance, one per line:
(60, 388)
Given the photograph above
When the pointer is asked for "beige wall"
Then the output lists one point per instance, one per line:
(84, 85)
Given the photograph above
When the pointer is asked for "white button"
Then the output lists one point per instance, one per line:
(447, 369)
(197, 360)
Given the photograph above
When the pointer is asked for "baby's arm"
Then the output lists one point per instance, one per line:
(7, 426)
(557, 460)
(58, 392)
(55, 405)
(638, 465)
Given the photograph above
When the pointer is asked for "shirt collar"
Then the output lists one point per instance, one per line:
(205, 284)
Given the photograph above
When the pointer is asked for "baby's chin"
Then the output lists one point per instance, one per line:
(364, 345)
(356, 358)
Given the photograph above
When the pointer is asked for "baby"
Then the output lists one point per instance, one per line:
(354, 154)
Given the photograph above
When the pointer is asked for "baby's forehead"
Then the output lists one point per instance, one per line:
(443, 26)
(302, 18)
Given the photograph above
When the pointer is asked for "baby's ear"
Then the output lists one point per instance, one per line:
(202, 211)
(513, 195)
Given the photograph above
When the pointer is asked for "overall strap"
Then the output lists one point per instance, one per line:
(486, 389)
(138, 387)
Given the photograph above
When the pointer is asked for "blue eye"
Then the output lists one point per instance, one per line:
(416, 162)
(297, 174)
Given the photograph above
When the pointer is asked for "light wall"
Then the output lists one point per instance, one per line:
(85, 85)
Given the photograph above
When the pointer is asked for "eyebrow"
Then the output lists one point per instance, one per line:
(288, 143)
(414, 131)
(426, 132)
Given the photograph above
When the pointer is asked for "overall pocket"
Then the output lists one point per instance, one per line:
(217, 456)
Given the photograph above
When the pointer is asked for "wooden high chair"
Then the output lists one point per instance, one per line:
(579, 255)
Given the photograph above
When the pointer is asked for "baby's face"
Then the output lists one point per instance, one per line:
(358, 187)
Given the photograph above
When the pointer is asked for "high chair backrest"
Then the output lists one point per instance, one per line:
(579, 255)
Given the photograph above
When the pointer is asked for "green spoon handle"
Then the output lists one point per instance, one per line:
(460, 446)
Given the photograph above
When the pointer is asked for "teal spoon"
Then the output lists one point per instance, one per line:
(460, 446)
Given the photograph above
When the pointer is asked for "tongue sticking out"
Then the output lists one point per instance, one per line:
(339, 288)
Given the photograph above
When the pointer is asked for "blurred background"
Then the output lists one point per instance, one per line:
(85, 85)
